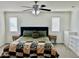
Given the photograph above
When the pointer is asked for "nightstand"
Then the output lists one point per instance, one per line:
(15, 37)
(52, 38)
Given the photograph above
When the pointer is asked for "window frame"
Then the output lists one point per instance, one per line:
(59, 23)
(16, 24)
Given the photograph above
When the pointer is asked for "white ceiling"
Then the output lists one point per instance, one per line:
(16, 5)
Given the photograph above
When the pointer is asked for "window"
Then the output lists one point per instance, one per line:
(13, 24)
(56, 24)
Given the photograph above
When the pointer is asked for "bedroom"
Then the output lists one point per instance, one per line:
(66, 12)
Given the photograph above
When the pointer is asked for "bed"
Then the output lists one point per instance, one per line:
(33, 43)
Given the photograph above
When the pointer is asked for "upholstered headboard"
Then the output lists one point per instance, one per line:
(34, 28)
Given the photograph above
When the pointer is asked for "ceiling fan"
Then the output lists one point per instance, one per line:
(36, 8)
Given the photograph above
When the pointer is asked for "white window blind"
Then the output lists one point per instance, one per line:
(56, 24)
(13, 24)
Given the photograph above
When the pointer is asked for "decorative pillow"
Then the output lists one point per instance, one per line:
(42, 33)
(27, 33)
(35, 34)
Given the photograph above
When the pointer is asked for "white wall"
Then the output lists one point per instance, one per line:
(2, 28)
(43, 19)
(75, 20)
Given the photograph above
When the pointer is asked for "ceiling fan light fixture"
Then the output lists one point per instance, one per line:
(35, 9)
(35, 12)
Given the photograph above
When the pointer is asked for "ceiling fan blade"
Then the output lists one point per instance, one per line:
(26, 6)
(27, 10)
(46, 9)
(43, 5)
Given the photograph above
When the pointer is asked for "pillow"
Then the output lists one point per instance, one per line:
(42, 33)
(35, 34)
(27, 33)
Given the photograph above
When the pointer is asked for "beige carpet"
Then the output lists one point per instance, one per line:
(63, 51)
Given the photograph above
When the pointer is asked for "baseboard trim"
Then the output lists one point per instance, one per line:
(59, 43)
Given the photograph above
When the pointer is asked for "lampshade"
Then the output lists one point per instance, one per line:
(35, 12)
